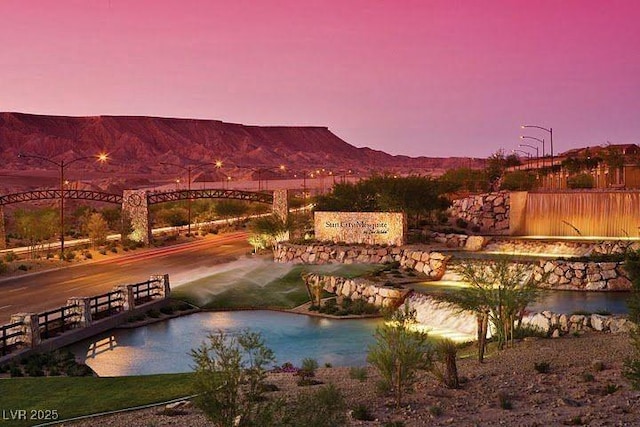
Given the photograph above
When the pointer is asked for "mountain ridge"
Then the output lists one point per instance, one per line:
(142, 143)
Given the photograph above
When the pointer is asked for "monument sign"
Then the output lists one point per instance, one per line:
(361, 227)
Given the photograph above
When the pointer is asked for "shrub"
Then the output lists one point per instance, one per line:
(587, 377)
(505, 401)
(308, 371)
(542, 367)
(168, 310)
(436, 411)
(102, 251)
(230, 372)
(3, 267)
(362, 413)
(10, 256)
(69, 256)
(611, 388)
(15, 371)
(582, 180)
(114, 249)
(446, 354)
(393, 424)
(399, 352)
(358, 373)
(153, 314)
(87, 255)
(23, 267)
(326, 407)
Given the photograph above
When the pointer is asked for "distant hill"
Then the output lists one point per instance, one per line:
(141, 144)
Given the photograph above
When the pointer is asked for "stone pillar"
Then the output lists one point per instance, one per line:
(165, 289)
(30, 328)
(3, 234)
(135, 206)
(128, 299)
(517, 212)
(82, 310)
(281, 204)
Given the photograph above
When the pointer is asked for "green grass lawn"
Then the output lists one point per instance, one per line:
(262, 285)
(76, 396)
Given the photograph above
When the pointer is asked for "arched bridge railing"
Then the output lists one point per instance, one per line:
(28, 196)
(172, 196)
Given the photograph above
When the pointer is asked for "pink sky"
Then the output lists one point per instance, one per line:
(432, 78)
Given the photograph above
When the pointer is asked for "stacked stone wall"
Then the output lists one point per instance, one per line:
(556, 324)
(582, 276)
(359, 289)
(489, 212)
(432, 264)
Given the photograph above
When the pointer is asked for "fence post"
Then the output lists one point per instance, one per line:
(30, 328)
(82, 310)
(165, 288)
(128, 299)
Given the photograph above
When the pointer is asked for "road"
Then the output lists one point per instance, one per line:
(183, 262)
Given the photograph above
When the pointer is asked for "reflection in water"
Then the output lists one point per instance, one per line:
(164, 347)
(101, 346)
(555, 301)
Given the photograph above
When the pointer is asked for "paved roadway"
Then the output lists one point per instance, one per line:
(50, 289)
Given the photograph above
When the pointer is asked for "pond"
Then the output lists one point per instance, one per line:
(552, 300)
(164, 347)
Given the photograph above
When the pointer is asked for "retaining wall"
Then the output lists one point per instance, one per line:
(358, 289)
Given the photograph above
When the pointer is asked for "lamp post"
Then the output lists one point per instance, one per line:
(61, 165)
(524, 152)
(190, 169)
(550, 130)
(537, 153)
(539, 140)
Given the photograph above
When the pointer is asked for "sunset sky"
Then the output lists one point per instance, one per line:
(420, 78)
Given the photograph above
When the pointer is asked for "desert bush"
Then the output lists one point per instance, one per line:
(399, 352)
(230, 372)
(10, 256)
(325, 407)
(504, 401)
(359, 373)
(362, 413)
(542, 367)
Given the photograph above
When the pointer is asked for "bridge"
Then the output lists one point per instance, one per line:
(135, 203)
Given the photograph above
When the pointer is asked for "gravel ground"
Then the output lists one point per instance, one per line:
(584, 386)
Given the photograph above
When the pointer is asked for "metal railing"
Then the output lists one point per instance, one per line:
(56, 321)
(106, 305)
(9, 337)
(145, 291)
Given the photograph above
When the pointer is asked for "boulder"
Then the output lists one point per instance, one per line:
(474, 243)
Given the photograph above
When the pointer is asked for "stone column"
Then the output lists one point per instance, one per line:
(3, 234)
(30, 328)
(128, 299)
(165, 289)
(281, 204)
(82, 310)
(517, 212)
(135, 206)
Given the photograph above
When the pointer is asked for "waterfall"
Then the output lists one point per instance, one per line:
(586, 214)
(440, 319)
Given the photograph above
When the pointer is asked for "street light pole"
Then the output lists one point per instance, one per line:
(189, 169)
(524, 152)
(539, 140)
(550, 130)
(537, 153)
(102, 157)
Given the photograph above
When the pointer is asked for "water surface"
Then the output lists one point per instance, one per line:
(164, 347)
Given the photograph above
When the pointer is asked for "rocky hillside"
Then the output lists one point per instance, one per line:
(140, 144)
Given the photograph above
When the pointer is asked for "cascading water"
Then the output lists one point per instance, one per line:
(586, 214)
(441, 319)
